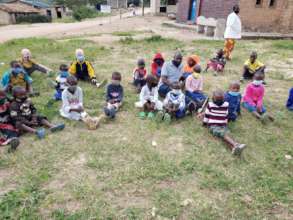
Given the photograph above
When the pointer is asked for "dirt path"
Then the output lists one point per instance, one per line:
(100, 29)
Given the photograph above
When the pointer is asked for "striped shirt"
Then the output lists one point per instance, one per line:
(216, 115)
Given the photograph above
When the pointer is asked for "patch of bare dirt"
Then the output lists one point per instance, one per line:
(7, 182)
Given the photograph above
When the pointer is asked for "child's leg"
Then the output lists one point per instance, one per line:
(229, 140)
(26, 128)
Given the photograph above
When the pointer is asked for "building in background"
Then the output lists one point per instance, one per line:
(11, 10)
(160, 7)
(256, 15)
(117, 3)
(48, 8)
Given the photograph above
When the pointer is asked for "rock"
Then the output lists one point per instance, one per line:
(154, 143)
(288, 157)
(186, 202)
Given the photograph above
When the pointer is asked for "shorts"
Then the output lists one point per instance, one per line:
(252, 108)
(218, 131)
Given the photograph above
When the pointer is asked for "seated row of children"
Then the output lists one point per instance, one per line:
(224, 107)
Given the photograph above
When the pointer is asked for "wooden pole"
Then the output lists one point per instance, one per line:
(142, 7)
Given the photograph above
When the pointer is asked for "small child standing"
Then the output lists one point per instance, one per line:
(289, 104)
(114, 96)
(24, 115)
(216, 118)
(253, 98)
(139, 75)
(149, 98)
(174, 104)
(194, 87)
(233, 97)
(61, 81)
(217, 63)
(9, 134)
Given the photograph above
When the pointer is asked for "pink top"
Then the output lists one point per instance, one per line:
(193, 85)
(254, 95)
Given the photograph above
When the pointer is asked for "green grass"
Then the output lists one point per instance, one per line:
(116, 173)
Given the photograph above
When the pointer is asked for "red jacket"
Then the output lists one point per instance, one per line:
(155, 67)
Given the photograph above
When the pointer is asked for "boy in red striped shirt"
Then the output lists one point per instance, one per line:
(216, 118)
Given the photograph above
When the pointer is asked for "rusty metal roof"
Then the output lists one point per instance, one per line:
(17, 7)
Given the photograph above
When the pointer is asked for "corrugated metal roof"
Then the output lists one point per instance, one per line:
(39, 3)
(18, 8)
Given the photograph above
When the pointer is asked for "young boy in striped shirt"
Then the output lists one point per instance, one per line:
(216, 118)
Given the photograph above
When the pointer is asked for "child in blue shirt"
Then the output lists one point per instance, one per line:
(61, 81)
(233, 97)
(114, 95)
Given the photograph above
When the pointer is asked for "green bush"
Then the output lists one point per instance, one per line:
(83, 12)
(34, 18)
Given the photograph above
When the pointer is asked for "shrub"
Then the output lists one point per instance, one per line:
(83, 12)
(34, 18)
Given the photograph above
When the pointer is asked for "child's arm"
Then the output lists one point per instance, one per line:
(72, 68)
(121, 95)
(91, 70)
(239, 105)
(259, 103)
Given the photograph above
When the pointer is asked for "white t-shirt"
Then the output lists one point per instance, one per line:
(233, 27)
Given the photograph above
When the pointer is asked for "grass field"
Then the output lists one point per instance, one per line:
(116, 173)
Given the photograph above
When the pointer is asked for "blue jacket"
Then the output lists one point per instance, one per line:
(6, 78)
(234, 105)
(114, 92)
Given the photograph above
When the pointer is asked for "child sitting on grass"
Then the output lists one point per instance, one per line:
(251, 67)
(114, 96)
(9, 134)
(174, 104)
(83, 69)
(149, 98)
(16, 76)
(139, 75)
(217, 63)
(24, 115)
(157, 64)
(72, 100)
(61, 81)
(192, 61)
(216, 119)
(233, 97)
(253, 98)
(31, 65)
(289, 104)
(194, 87)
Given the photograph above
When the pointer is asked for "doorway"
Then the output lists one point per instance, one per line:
(193, 10)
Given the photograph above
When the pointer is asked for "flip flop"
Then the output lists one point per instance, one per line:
(58, 127)
(142, 115)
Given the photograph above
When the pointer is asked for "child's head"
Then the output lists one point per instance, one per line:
(159, 60)
(151, 81)
(63, 68)
(16, 67)
(176, 86)
(26, 54)
(191, 61)
(72, 83)
(79, 54)
(220, 52)
(234, 86)
(258, 78)
(177, 59)
(141, 63)
(197, 68)
(116, 78)
(218, 97)
(19, 93)
(253, 56)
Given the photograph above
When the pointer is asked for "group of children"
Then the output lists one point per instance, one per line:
(185, 95)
